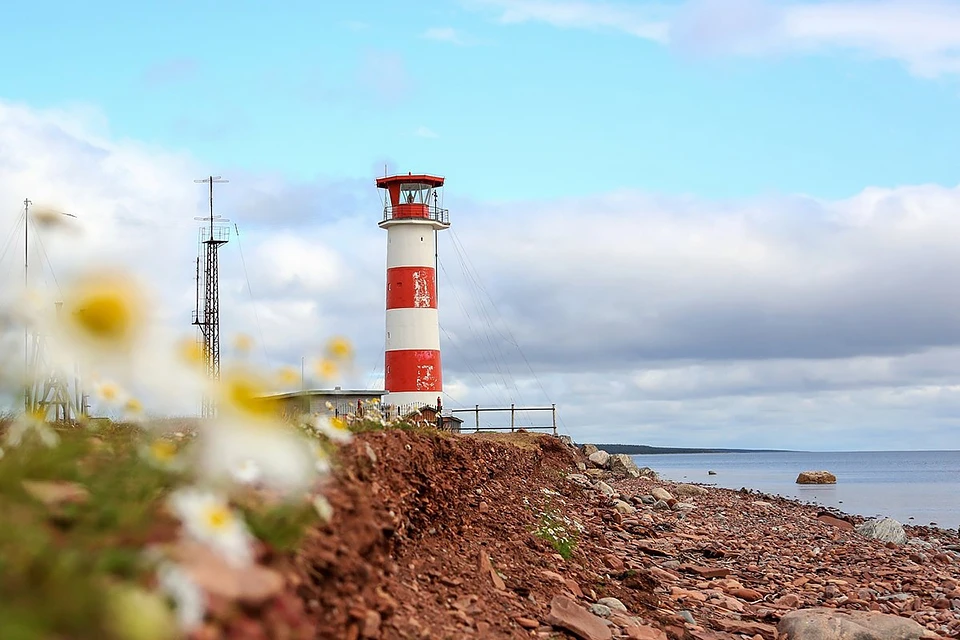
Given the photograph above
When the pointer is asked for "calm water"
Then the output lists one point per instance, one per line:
(922, 485)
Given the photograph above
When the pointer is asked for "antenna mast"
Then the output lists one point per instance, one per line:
(27, 375)
(208, 318)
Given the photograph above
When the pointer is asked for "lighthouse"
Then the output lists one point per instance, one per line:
(412, 373)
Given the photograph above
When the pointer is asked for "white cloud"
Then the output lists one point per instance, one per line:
(425, 132)
(445, 34)
(782, 322)
(923, 35)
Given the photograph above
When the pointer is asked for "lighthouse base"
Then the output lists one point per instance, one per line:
(403, 402)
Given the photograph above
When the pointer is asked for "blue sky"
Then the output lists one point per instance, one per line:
(518, 109)
(705, 222)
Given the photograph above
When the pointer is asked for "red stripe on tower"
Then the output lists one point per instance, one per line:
(411, 288)
(413, 373)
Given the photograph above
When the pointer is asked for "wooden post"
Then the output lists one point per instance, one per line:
(554, 419)
(478, 418)
(512, 412)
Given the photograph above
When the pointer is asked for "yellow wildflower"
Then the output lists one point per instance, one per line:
(339, 348)
(105, 311)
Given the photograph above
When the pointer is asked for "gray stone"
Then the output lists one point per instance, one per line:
(601, 610)
(624, 507)
(835, 624)
(588, 449)
(647, 499)
(566, 440)
(647, 472)
(661, 505)
(661, 494)
(599, 459)
(613, 603)
(606, 489)
(690, 490)
(622, 464)
(581, 466)
(579, 479)
(686, 615)
(883, 529)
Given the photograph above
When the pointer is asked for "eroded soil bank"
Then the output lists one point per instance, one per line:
(439, 536)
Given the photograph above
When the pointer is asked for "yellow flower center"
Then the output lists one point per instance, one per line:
(339, 348)
(163, 450)
(288, 376)
(217, 517)
(326, 369)
(133, 406)
(339, 424)
(109, 392)
(243, 343)
(190, 351)
(105, 316)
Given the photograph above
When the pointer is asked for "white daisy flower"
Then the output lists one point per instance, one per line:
(247, 472)
(208, 519)
(36, 421)
(323, 507)
(281, 460)
(333, 428)
(185, 593)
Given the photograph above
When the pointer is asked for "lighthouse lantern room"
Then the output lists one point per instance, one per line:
(412, 217)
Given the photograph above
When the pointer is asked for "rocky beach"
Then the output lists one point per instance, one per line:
(522, 535)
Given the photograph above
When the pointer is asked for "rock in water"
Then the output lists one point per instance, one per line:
(816, 477)
(599, 459)
(883, 529)
(834, 624)
(622, 464)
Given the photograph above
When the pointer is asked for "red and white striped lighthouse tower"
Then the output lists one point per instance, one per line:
(412, 218)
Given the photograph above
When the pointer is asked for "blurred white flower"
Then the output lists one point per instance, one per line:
(185, 593)
(333, 428)
(32, 421)
(247, 472)
(207, 518)
(278, 453)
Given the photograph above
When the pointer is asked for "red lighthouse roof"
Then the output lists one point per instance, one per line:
(419, 178)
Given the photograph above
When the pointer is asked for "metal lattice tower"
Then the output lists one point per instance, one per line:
(213, 234)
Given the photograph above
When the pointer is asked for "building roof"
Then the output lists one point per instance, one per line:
(337, 391)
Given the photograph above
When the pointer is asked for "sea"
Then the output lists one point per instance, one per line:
(913, 487)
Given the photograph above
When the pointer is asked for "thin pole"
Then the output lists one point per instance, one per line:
(27, 381)
(512, 414)
(554, 419)
(478, 418)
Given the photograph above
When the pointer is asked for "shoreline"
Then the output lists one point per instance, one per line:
(502, 536)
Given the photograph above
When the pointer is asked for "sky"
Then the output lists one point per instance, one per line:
(708, 223)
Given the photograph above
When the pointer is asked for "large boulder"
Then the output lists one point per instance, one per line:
(661, 494)
(685, 490)
(599, 459)
(816, 477)
(588, 449)
(883, 529)
(623, 465)
(833, 624)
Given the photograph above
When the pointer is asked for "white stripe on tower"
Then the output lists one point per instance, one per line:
(413, 373)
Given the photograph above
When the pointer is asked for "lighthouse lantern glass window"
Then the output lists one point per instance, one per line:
(415, 193)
